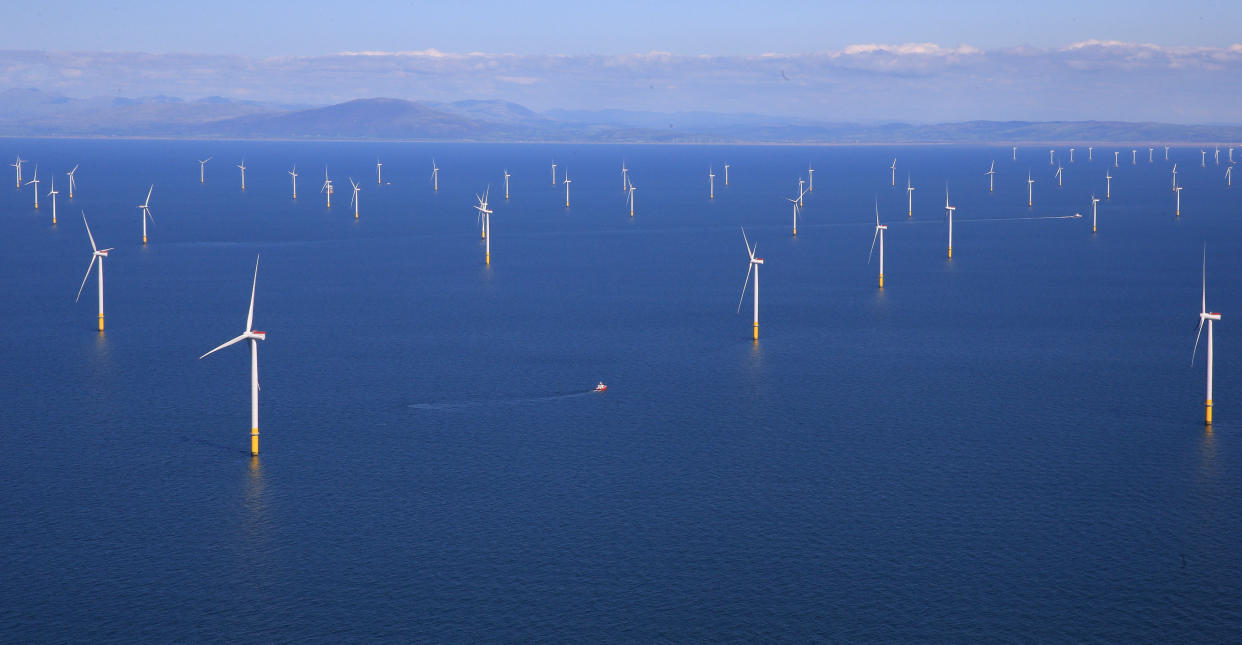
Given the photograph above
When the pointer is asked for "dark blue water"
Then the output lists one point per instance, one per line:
(1005, 445)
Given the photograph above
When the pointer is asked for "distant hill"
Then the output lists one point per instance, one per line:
(32, 112)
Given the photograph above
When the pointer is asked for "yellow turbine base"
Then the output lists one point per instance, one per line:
(355, 216)
(36, 206)
(1208, 413)
(487, 258)
(100, 322)
(1093, 228)
(254, 441)
(909, 213)
(756, 331)
(1179, 212)
(881, 280)
(53, 221)
(795, 232)
(144, 239)
(950, 253)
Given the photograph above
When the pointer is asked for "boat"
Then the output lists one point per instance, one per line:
(601, 387)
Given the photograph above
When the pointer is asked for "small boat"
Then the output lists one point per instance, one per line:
(601, 387)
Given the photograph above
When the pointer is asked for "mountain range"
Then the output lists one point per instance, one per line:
(31, 112)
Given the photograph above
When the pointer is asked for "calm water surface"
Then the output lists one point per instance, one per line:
(1005, 445)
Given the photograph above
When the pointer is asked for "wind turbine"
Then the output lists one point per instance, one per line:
(1090, 153)
(1228, 183)
(810, 182)
(35, 181)
(202, 165)
(625, 180)
(1178, 191)
(1209, 318)
(506, 183)
(72, 182)
(1203, 158)
(1116, 155)
(991, 173)
(1015, 153)
(879, 234)
(553, 173)
(253, 336)
(54, 193)
(379, 175)
(1230, 154)
(1166, 153)
(435, 176)
(1050, 154)
(1071, 155)
(96, 254)
(754, 264)
(293, 174)
(801, 192)
(711, 183)
(893, 173)
(949, 213)
(353, 200)
(1095, 201)
(1108, 185)
(327, 186)
(1059, 169)
(18, 165)
(1133, 157)
(631, 198)
(568, 181)
(242, 166)
(1174, 176)
(1218, 155)
(146, 213)
(796, 207)
(727, 167)
(485, 214)
(1150, 152)
(1030, 189)
(909, 198)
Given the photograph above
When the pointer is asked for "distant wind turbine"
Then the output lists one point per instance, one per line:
(1203, 158)
(379, 174)
(727, 168)
(893, 175)
(1071, 155)
(35, 181)
(435, 176)
(624, 176)
(949, 213)
(54, 192)
(1166, 153)
(506, 183)
(353, 200)
(1030, 190)
(202, 172)
(145, 207)
(242, 166)
(96, 254)
(910, 197)
(1133, 157)
(1059, 169)
(485, 214)
(1178, 191)
(1095, 202)
(1108, 184)
(631, 198)
(1015, 153)
(1090, 153)
(711, 183)
(327, 186)
(252, 335)
(1050, 157)
(73, 184)
(1228, 182)
(553, 173)
(755, 263)
(991, 173)
(567, 182)
(801, 192)
(796, 208)
(1116, 155)
(1174, 187)
(879, 234)
(1209, 318)
(810, 179)
(293, 174)
(1150, 152)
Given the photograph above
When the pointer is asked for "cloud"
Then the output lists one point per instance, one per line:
(1092, 79)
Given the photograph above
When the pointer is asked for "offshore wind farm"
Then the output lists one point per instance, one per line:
(996, 419)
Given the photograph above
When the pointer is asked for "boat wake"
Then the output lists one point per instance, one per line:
(477, 403)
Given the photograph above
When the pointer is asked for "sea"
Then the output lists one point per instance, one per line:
(1008, 445)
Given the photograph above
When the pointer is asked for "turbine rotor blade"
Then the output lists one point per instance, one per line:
(86, 277)
(250, 315)
(231, 342)
(744, 285)
(873, 240)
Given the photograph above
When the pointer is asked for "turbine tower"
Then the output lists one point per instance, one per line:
(949, 213)
(727, 166)
(1178, 192)
(711, 183)
(568, 181)
(73, 184)
(353, 200)
(879, 234)
(242, 166)
(1209, 318)
(991, 173)
(810, 179)
(379, 174)
(631, 198)
(252, 335)
(485, 214)
(145, 207)
(1095, 202)
(553, 173)
(202, 172)
(96, 254)
(506, 183)
(625, 180)
(35, 181)
(755, 262)
(55, 192)
(1108, 185)
(327, 186)
(909, 198)
(435, 176)
(293, 175)
(893, 173)
(1030, 190)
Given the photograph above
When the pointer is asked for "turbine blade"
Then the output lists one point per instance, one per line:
(749, 251)
(744, 285)
(873, 239)
(149, 191)
(250, 315)
(231, 342)
(1196, 349)
(1203, 302)
(85, 277)
(88, 232)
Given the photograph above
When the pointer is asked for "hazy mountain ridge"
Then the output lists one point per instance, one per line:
(31, 112)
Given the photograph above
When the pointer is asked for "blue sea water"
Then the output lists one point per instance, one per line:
(1007, 445)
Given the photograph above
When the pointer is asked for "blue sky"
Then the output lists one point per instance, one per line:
(719, 27)
(875, 61)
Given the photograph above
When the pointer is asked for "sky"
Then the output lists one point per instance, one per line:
(896, 59)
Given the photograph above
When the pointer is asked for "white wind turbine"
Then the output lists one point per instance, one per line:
(485, 214)
(1095, 202)
(909, 198)
(353, 200)
(879, 234)
(801, 192)
(796, 208)
(435, 176)
(893, 173)
(1178, 192)
(991, 173)
(73, 184)
(1174, 187)
(1059, 169)
(96, 254)
(711, 183)
(1133, 157)
(1203, 158)
(727, 167)
(327, 186)
(755, 262)
(1116, 156)
(1228, 182)
(1090, 153)
(35, 181)
(506, 183)
(1209, 318)
(252, 335)
(1030, 190)
(1218, 155)
(293, 175)
(18, 166)
(1108, 184)
(568, 181)
(631, 197)
(1071, 155)
(553, 173)
(1151, 151)
(949, 213)
(242, 166)
(145, 207)
(1230, 154)
(379, 175)
(1166, 153)
(625, 180)
(1050, 155)
(202, 169)
(54, 193)
(810, 179)
(1015, 153)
